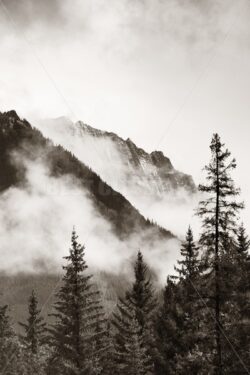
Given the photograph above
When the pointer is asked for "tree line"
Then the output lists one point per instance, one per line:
(198, 324)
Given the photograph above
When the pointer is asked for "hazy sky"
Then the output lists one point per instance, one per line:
(166, 73)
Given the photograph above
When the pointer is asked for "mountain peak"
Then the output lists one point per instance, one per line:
(10, 119)
(128, 140)
(160, 160)
(122, 164)
(10, 114)
(85, 128)
(111, 205)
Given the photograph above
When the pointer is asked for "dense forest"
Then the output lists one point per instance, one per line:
(198, 324)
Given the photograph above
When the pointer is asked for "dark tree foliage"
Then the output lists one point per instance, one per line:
(243, 242)
(78, 312)
(188, 298)
(137, 361)
(130, 344)
(133, 324)
(199, 325)
(169, 328)
(218, 211)
(240, 326)
(9, 346)
(189, 265)
(5, 327)
(178, 322)
(34, 329)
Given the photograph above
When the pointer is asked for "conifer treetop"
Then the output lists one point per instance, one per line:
(243, 241)
(189, 264)
(220, 206)
(35, 326)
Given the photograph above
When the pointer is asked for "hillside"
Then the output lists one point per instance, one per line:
(19, 135)
(150, 174)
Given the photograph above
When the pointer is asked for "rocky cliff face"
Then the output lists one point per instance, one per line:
(47, 186)
(127, 168)
(18, 137)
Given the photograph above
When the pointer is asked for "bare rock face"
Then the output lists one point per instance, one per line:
(149, 181)
(126, 167)
(17, 136)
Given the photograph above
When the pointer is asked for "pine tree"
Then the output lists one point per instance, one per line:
(77, 311)
(9, 345)
(133, 323)
(188, 295)
(104, 349)
(219, 213)
(241, 277)
(35, 326)
(243, 242)
(130, 349)
(178, 321)
(141, 297)
(101, 361)
(189, 263)
(5, 327)
(137, 361)
(169, 327)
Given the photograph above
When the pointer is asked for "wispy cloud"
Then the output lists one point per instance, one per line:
(36, 220)
(129, 65)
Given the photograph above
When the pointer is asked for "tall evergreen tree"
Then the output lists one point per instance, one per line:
(241, 277)
(219, 213)
(14, 360)
(133, 324)
(6, 330)
(178, 320)
(137, 360)
(169, 327)
(9, 346)
(189, 275)
(77, 311)
(130, 348)
(35, 327)
(141, 297)
(243, 242)
(189, 263)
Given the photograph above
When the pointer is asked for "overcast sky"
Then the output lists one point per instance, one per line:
(166, 73)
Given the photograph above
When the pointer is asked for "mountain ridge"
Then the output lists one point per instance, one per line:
(14, 132)
(154, 171)
(157, 156)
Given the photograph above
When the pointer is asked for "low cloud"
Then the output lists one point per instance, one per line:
(173, 209)
(37, 218)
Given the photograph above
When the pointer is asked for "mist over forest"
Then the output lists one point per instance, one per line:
(124, 187)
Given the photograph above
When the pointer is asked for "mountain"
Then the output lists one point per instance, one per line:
(19, 142)
(148, 180)
(33, 235)
(18, 136)
(106, 152)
